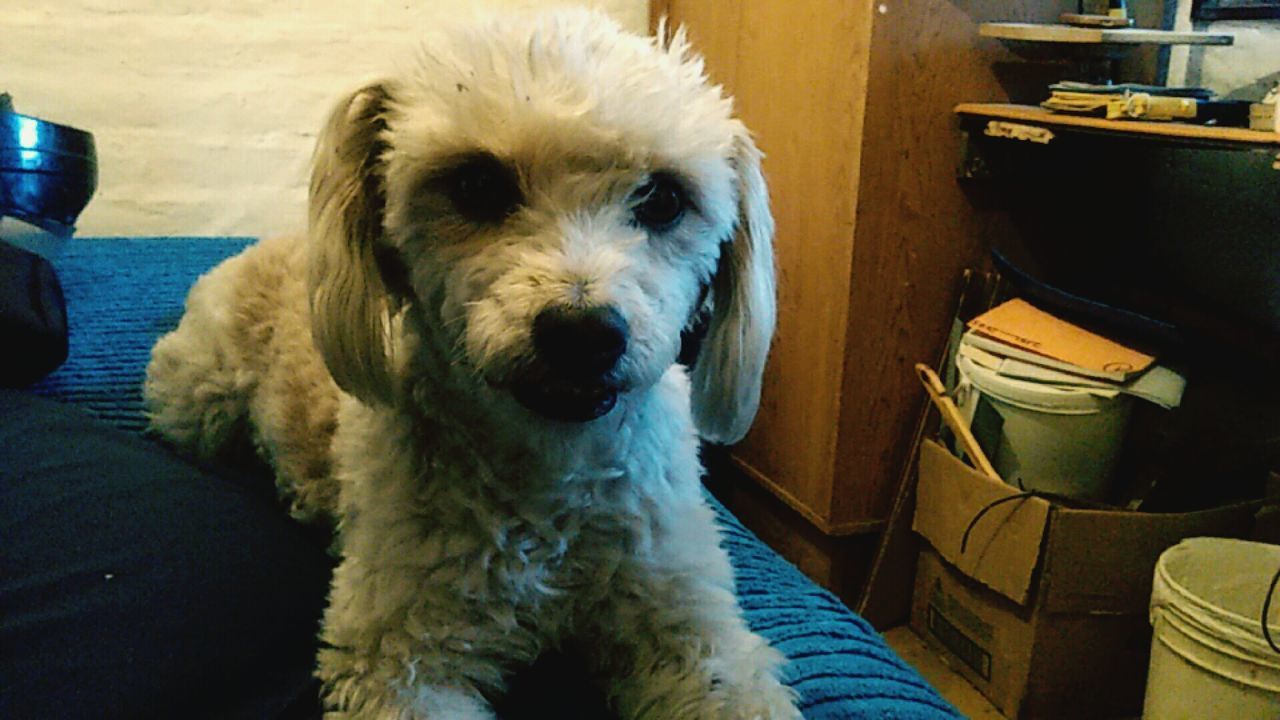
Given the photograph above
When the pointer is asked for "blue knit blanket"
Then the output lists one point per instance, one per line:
(123, 293)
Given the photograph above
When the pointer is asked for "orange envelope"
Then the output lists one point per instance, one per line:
(1022, 325)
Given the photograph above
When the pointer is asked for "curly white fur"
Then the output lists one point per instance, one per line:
(378, 364)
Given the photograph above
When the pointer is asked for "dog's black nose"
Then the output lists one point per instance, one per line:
(580, 343)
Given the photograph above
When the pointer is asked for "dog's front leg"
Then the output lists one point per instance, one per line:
(399, 651)
(671, 642)
(429, 702)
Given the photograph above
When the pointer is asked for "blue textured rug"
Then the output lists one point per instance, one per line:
(123, 293)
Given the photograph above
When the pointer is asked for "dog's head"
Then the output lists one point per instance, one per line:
(564, 206)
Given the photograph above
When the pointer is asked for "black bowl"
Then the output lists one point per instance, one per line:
(48, 172)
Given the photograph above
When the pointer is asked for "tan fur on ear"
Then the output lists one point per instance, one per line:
(350, 305)
(730, 368)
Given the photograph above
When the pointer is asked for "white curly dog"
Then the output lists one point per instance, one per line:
(473, 364)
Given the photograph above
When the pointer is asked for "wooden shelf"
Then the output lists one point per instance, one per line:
(1040, 117)
(1071, 34)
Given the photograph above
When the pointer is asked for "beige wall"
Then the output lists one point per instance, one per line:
(205, 111)
(1247, 69)
(1243, 70)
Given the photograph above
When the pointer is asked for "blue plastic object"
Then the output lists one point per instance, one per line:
(48, 172)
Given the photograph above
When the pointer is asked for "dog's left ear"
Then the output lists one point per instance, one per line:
(730, 366)
(351, 306)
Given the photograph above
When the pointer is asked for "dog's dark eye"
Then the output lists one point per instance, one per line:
(659, 203)
(482, 189)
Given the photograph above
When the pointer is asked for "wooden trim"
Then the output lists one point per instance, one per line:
(825, 526)
(1040, 116)
(781, 81)
(1033, 32)
(857, 527)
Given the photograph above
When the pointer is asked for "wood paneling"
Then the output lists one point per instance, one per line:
(916, 231)
(852, 103)
(840, 563)
(775, 58)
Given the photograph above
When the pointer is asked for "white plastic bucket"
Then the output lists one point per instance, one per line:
(1051, 438)
(1209, 658)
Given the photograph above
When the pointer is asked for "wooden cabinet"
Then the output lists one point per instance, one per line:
(852, 104)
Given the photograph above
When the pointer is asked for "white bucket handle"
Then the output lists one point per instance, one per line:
(1266, 611)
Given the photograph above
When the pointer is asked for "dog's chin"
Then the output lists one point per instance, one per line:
(565, 401)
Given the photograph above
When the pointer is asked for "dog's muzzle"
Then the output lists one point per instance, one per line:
(572, 374)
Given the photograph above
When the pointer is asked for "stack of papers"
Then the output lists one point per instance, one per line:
(1018, 340)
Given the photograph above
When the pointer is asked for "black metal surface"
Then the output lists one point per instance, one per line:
(1185, 231)
(1149, 332)
(48, 172)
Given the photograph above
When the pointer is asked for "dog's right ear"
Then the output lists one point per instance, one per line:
(351, 308)
(729, 370)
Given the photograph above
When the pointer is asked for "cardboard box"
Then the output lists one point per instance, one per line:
(1045, 609)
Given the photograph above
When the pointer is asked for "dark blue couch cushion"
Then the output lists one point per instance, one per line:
(135, 585)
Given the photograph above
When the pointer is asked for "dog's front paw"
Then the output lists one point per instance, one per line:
(451, 704)
(751, 690)
(426, 703)
(767, 699)
(355, 691)
(739, 686)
